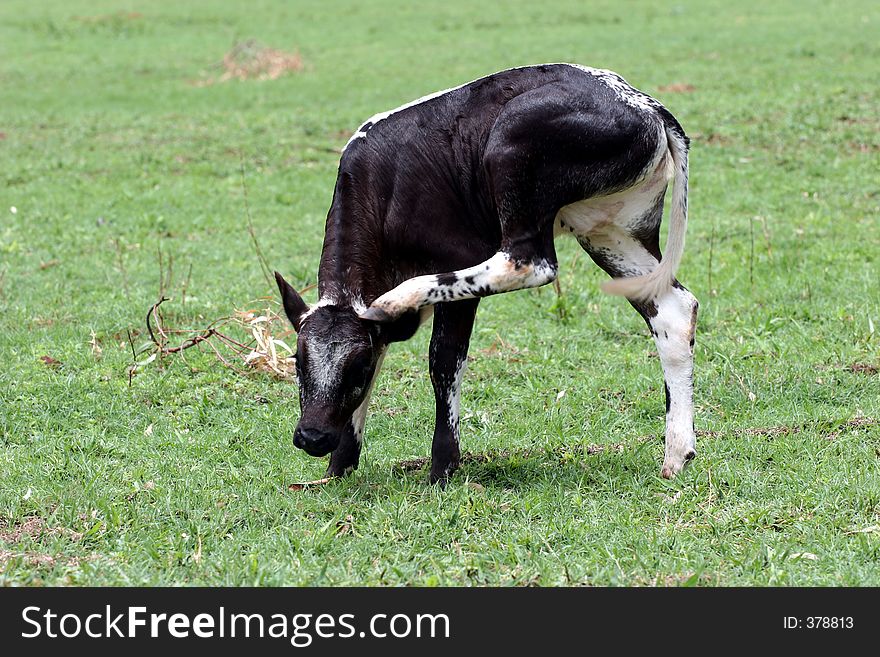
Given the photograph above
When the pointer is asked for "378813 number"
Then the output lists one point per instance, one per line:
(828, 622)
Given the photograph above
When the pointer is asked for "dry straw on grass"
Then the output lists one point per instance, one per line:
(246, 340)
(251, 60)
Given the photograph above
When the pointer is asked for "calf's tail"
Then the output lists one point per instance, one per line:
(655, 283)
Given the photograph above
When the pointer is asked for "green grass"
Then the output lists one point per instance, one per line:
(110, 151)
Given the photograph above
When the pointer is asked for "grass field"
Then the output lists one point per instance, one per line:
(118, 140)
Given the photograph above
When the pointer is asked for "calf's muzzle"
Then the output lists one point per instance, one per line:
(315, 442)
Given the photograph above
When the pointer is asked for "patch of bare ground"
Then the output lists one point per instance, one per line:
(35, 528)
(676, 88)
(251, 60)
(833, 429)
(863, 147)
(501, 349)
(856, 120)
(43, 560)
(712, 138)
(863, 368)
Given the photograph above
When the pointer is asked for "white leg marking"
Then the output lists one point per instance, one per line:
(673, 328)
(497, 274)
(453, 398)
(616, 246)
(359, 417)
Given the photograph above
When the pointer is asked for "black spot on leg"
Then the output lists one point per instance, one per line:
(692, 342)
(649, 309)
(447, 280)
(646, 229)
(469, 280)
(666, 388)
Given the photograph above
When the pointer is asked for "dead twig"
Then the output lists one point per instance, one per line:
(264, 265)
(265, 351)
(152, 311)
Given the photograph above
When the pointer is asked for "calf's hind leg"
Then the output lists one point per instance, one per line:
(672, 319)
(503, 272)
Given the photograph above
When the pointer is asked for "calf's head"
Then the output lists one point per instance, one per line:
(337, 353)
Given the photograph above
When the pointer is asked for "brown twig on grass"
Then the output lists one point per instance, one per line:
(302, 485)
(265, 351)
(264, 265)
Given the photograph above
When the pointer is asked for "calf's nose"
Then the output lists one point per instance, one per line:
(314, 441)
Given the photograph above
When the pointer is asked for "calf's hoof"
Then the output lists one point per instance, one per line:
(440, 475)
(343, 462)
(672, 466)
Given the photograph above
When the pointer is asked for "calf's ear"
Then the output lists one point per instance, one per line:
(294, 306)
(400, 329)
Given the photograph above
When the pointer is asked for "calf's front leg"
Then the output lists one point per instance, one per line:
(347, 454)
(453, 323)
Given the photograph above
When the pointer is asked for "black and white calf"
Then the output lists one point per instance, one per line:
(460, 195)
